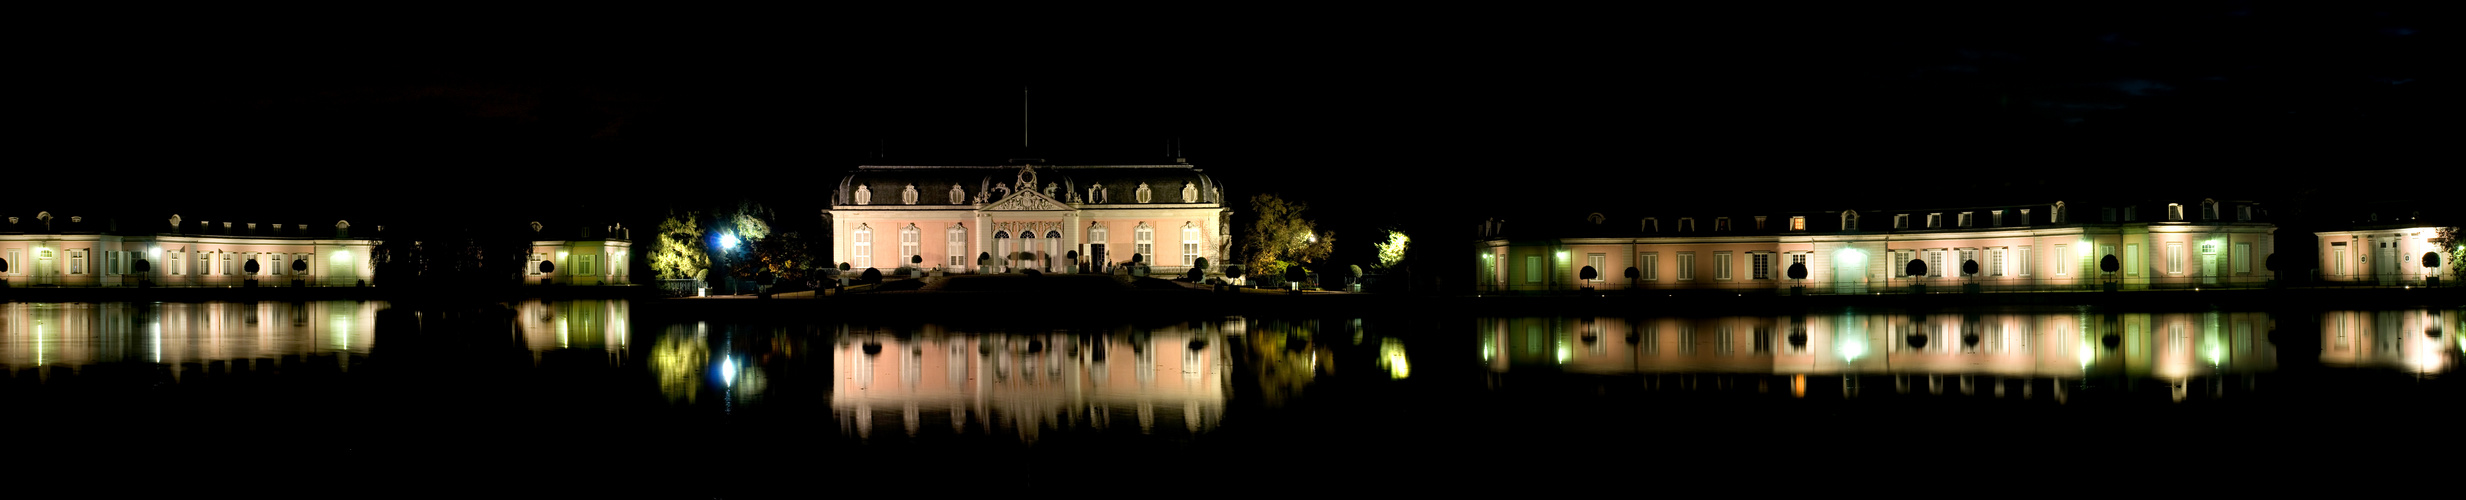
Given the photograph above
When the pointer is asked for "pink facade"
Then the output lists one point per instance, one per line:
(2386, 256)
(1054, 219)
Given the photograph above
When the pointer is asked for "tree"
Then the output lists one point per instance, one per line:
(1281, 237)
(788, 256)
(681, 254)
(1798, 271)
(1587, 273)
(1916, 268)
(1392, 251)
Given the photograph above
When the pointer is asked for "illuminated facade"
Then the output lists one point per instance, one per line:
(596, 256)
(2021, 247)
(993, 219)
(74, 252)
(1159, 380)
(2387, 253)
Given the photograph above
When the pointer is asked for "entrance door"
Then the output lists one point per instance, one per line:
(1096, 258)
(1849, 271)
(2384, 263)
(43, 267)
(2209, 267)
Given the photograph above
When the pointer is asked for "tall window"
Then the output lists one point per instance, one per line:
(863, 248)
(1967, 255)
(1900, 264)
(229, 263)
(1686, 266)
(955, 243)
(1647, 266)
(1995, 263)
(1532, 269)
(2025, 269)
(1096, 234)
(2243, 258)
(1144, 240)
(535, 260)
(911, 243)
(1935, 263)
(2174, 258)
(1190, 244)
(1600, 264)
(2104, 251)
(2337, 254)
(2063, 260)
(77, 261)
(2132, 259)
(1761, 265)
(17, 262)
(586, 265)
(1721, 265)
(175, 262)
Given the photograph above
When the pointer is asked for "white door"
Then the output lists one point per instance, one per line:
(2384, 263)
(43, 267)
(1849, 271)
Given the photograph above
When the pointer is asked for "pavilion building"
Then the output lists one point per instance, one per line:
(1011, 218)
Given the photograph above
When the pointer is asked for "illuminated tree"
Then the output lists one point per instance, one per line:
(1281, 238)
(1392, 252)
(680, 254)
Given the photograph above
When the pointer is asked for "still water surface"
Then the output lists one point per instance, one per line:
(439, 397)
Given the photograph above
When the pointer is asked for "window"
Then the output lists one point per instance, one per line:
(955, 245)
(2058, 214)
(863, 246)
(1995, 217)
(535, 260)
(1900, 221)
(2243, 213)
(911, 243)
(17, 263)
(1900, 264)
(1965, 219)
(2209, 209)
(1646, 266)
(1190, 244)
(2174, 211)
(1849, 220)
(2063, 260)
(2174, 258)
(1532, 269)
(1721, 265)
(2024, 217)
(1759, 223)
(1799, 260)
(1652, 225)
(1761, 265)
(2132, 214)
(1144, 240)
(1799, 223)
(1096, 233)
(2025, 269)
(2104, 251)
(1686, 224)
(77, 261)
(1968, 256)
(1600, 264)
(2132, 259)
(1686, 266)
(1995, 263)
(1721, 223)
(1935, 263)
(174, 263)
(2243, 258)
(2106, 214)
(586, 265)
(1001, 245)
(1935, 221)
(2337, 254)
(229, 267)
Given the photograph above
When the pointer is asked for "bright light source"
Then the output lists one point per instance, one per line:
(156, 252)
(727, 241)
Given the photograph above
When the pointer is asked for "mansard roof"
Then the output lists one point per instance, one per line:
(1071, 183)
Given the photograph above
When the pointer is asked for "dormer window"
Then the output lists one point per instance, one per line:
(1935, 221)
(1721, 224)
(2132, 214)
(2106, 214)
(2209, 209)
(1652, 225)
(2174, 211)
(1799, 222)
(1686, 224)
(2058, 216)
(2024, 217)
(1849, 220)
(2243, 213)
(1759, 223)
(1965, 219)
(1995, 217)
(1900, 221)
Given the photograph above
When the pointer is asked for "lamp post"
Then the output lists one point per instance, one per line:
(727, 243)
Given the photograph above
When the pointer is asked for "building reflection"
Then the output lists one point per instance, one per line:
(602, 326)
(2000, 354)
(924, 379)
(185, 337)
(2419, 341)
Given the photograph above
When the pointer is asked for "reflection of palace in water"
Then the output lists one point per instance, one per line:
(1980, 352)
(2416, 341)
(574, 324)
(186, 336)
(1147, 378)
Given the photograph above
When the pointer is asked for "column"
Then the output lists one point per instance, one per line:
(978, 237)
(1070, 239)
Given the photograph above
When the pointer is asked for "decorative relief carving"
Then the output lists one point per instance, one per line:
(1144, 194)
(907, 196)
(1190, 193)
(864, 195)
(957, 195)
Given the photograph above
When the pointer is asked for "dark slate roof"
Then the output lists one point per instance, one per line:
(1121, 182)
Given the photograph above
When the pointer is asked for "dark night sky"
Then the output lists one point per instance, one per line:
(1455, 114)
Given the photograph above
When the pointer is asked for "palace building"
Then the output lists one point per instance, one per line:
(1011, 218)
(81, 252)
(2387, 248)
(2163, 244)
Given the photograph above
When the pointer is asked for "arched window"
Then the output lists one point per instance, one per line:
(958, 196)
(910, 243)
(1190, 243)
(864, 195)
(1001, 243)
(907, 196)
(1053, 247)
(1143, 241)
(2174, 211)
(2209, 209)
(956, 239)
(862, 248)
(1144, 194)
(1849, 220)
(2059, 216)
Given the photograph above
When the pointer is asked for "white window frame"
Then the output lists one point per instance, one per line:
(2063, 260)
(2174, 258)
(17, 262)
(956, 244)
(2025, 270)
(535, 260)
(2174, 212)
(2132, 259)
(1600, 262)
(911, 243)
(176, 263)
(1965, 219)
(1797, 258)
(1900, 221)
(1721, 266)
(2243, 257)
(1647, 266)
(1532, 269)
(1759, 265)
(76, 261)
(1935, 263)
(1686, 266)
(1143, 241)
(1935, 221)
(1849, 220)
(861, 248)
(1190, 243)
(1995, 266)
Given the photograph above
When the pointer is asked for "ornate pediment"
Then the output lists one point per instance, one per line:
(1027, 200)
